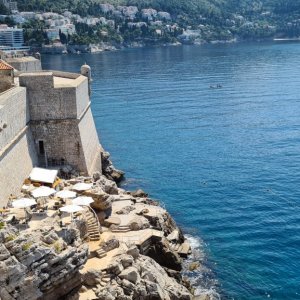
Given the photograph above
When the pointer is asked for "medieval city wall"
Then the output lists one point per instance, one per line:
(16, 163)
(82, 95)
(90, 142)
(47, 102)
(25, 64)
(53, 107)
(13, 114)
(60, 116)
(17, 151)
(61, 141)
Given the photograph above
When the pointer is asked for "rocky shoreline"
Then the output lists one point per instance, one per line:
(139, 254)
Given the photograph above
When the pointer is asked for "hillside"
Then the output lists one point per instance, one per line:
(216, 8)
(187, 21)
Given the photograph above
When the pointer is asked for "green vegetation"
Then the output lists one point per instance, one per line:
(10, 22)
(3, 10)
(2, 225)
(58, 247)
(26, 246)
(34, 33)
(10, 237)
(213, 20)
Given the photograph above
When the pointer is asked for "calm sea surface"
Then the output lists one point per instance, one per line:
(226, 162)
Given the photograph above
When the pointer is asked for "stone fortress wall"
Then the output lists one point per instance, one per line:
(14, 114)
(17, 151)
(52, 98)
(92, 149)
(25, 64)
(47, 118)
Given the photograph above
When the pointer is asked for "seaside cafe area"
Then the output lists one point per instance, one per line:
(46, 199)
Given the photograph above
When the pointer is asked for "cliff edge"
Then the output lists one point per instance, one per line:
(138, 254)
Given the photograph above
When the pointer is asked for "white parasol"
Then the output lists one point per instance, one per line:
(43, 191)
(71, 209)
(82, 200)
(81, 186)
(23, 203)
(66, 194)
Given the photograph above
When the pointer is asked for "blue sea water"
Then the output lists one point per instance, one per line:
(226, 162)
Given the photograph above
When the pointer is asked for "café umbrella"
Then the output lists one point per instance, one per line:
(71, 209)
(83, 201)
(81, 186)
(66, 194)
(23, 203)
(43, 191)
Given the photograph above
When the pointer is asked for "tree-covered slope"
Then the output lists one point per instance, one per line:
(205, 20)
(208, 7)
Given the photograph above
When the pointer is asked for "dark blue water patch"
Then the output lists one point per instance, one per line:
(224, 161)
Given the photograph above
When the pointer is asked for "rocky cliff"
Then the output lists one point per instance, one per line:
(39, 264)
(140, 259)
(139, 277)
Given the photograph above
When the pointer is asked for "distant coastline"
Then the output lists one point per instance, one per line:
(99, 48)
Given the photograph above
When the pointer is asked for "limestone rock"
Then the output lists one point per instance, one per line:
(110, 293)
(125, 210)
(31, 270)
(174, 235)
(134, 252)
(110, 244)
(96, 176)
(130, 274)
(126, 260)
(141, 278)
(166, 257)
(127, 284)
(139, 194)
(155, 291)
(115, 268)
(46, 264)
(49, 238)
(83, 289)
(194, 266)
(108, 186)
(92, 277)
(102, 200)
(139, 223)
(143, 211)
(109, 170)
(178, 293)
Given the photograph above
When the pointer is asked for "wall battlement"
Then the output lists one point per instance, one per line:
(55, 97)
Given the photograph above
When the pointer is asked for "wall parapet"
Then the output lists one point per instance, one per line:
(55, 97)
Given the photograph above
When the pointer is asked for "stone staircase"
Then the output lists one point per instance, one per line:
(93, 226)
(100, 253)
(121, 228)
(105, 279)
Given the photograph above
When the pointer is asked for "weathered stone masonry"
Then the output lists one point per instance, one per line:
(47, 121)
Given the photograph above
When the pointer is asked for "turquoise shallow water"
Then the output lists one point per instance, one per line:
(225, 161)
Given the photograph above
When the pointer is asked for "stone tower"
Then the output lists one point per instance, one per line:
(61, 120)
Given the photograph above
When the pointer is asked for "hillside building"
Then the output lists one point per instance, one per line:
(10, 36)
